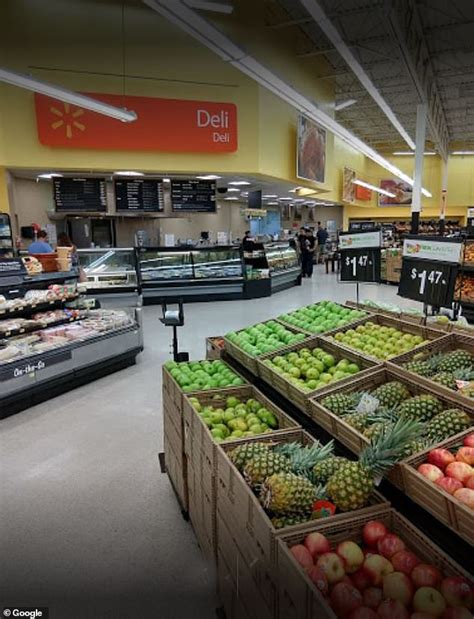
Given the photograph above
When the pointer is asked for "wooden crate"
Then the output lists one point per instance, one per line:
(353, 439)
(176, 467)
(451, 342)
(300, 397)
(404, 316)
(300, 599)
(443, 506)
(214, 347)
(255, 531)
(244, 358)
(312, 333)
(427, 333)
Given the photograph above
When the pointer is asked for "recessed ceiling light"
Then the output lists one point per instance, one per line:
(209, 177)
(128, 173)
(49, 175)
(233, 189)
(239, 183)
(231, 198)
(167, 180)
(270, 195)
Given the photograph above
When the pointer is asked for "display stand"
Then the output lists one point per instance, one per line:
(360, 258)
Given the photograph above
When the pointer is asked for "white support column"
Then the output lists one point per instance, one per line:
(421, 113)
(444, 195)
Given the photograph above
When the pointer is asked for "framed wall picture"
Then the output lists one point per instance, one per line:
(297, 212)
(402, 193)
(311, 147)
(286, 212)
(348, 187)
(311, 216)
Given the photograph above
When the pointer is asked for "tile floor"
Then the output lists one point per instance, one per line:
(88, 524)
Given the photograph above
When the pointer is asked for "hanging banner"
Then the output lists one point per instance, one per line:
(348, 187)
(311, 154)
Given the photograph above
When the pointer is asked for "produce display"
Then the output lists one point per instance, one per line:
(312, 369)
(264, 337)
(464, 288)
(322, 317)
(376, 576)
(454, 369)
(239, 419)
(452, 470)
(377, 340)
(202, 375)
(372, 413)
(469, 252)
(390, 307)
(296, 483)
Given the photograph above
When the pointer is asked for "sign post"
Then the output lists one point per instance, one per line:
(360, 257)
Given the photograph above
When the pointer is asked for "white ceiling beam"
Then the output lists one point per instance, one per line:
(317, 13)
(215, 7)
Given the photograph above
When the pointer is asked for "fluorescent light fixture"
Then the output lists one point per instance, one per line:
(231, 198)
(239, 183)
(49, 175)
(233, 189)
(269, 195)
(294, 190)
(286, 199)
(216, 7)
(411, 153)
(373, 188)
(68, 96)
(128, 173)
(272, 204)
(462, 152)
(342, 106)
(299, 200)
(244, 193)
(310, 203)
(167, 180)
(209, 177)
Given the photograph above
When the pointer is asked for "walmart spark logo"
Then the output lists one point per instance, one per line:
(67, 119)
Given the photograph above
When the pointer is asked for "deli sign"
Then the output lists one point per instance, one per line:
(169, 125)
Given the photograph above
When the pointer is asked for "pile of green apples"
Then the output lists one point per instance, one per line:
(239, 419)
(378, 341)
(203, 375)
(264, 337)
(312, 369)
(322, 317)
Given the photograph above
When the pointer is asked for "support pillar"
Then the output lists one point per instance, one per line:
(4, 200)
(421, 113)
(444, 195)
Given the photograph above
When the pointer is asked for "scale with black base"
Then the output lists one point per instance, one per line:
(174, 318)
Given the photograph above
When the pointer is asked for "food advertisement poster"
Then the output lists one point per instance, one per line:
(298, 212)
(402, 193)
(441, 251)
(311, 156)
(348, 187)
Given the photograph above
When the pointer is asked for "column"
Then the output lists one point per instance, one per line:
(444, 195)
(421, 112)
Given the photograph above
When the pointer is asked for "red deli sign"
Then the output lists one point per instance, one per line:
(170, 125)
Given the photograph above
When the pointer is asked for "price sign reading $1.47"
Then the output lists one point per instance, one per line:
(428, 281)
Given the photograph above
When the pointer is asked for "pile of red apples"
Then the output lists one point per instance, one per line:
(381, 578)
(453, 472)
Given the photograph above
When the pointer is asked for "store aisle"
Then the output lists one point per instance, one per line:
(88, 524)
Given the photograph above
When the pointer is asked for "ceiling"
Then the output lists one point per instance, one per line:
(409, 49)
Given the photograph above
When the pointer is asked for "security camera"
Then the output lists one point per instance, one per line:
(222, 190)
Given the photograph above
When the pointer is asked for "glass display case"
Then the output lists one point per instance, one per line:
(209, 264)
(109, 270)
(6, 238)
(281, 257)
(164, 264)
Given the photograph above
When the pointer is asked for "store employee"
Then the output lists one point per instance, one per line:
(41, 245)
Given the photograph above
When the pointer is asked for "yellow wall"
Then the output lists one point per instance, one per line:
(4, 201)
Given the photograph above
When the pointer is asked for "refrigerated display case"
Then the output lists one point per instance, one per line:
(283, 262)
(6, 237)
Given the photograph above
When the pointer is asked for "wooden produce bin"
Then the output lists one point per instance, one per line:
(251, 527)
(427, 333)
(247, 360)
(300, 599)
(214, 347)
(443, 506)
(354, 440)
(294, 393)
(200, 451)
(230, 592)
(404, 316)
(353, 323)
(451, 342)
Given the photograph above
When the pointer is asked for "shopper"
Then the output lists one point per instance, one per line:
(322, 236)
(310, 249)
(247, 241)
(41, 245)
(65, 241)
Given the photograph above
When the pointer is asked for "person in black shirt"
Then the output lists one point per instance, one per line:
(307, 246)
(322, 236)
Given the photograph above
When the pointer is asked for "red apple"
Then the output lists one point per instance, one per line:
(392, 609)
(470, 483)
(449, 484)
(429, 600)
(363, 613)
(466, 496)
(333, 566)
(389, 545)
(440, 458)
(319, 579)
(457, 591)
(361, 579)
(424, 575)
(469, 440)
(404, 561)
(372, 597)
(317, 544)
(344, 599)
(397, 586)
(352, 556)
(465, 454)
(377, 567)
(373, 531)
(430, 471)
(456, 613)
(459, 470)
(302, 555)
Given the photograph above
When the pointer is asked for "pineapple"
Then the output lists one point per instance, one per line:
(279, 522)
(303, 459)
(242, 454)
(391, 394)
(415, 446)
(359, 421)
(263, 465)
(322, 471)
(339, 403)
(446, 379)
(423, 368)
(376, 429)
(446, 424)
(455, 360)
(422, 407)
(353, 482)
(287, 493)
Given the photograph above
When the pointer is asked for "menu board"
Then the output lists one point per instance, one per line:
(139, 194)
(193, 196)
(80, 194)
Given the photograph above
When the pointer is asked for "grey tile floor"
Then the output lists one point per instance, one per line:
(88, 524)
